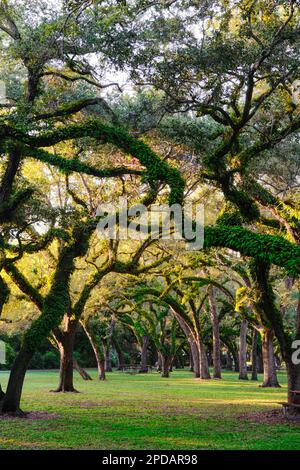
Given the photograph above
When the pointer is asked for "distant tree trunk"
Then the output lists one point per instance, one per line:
(107, 346)
(191, 359)
(118, 363)
(254, 354)
(216, 335)
(178, 360)
(194, 348)
(83, 373)
(243, 351)
(270, 375)
(120, 355)
(99, 354)
(209, 357)
(159, 362)
(260, 363)
(144, 355)
(229, 362)
(236, 360)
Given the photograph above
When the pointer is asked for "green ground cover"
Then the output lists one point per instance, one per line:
(148, 412)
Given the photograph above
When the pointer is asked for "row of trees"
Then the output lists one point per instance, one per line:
(211, 116)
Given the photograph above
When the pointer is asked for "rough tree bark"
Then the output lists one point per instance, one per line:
(270, 374)
(108, 367)
(243, 351)
(166, 365)
(65, 341)
(195, 358)
(204, 369)
(254, 354)
(144, 354)
(14, 160)
(57, 338)
(216, 335)
(12, 397)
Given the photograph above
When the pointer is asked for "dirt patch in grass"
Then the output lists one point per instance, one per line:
(91, 404)
(32, 415)
(275, 416)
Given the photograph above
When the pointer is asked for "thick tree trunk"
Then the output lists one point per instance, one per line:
(11, 400)
(9, 175)
(101, 369)
(195, 358)
(254, 355)
(261, 274)
(216, 336)
(144, 355)
(4, 293)
(100, 358)
(66, 349)
(166, 365)
(270, 375)
(53, 308)
(83, 373)
(204, 369)
(243, 351)
(293, 372)
(108, 367)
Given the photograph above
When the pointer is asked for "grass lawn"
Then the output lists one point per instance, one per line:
(148, 412)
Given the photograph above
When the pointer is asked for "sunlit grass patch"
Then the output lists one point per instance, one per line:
(148, 412)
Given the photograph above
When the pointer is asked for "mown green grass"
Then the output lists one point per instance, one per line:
(148, 412)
